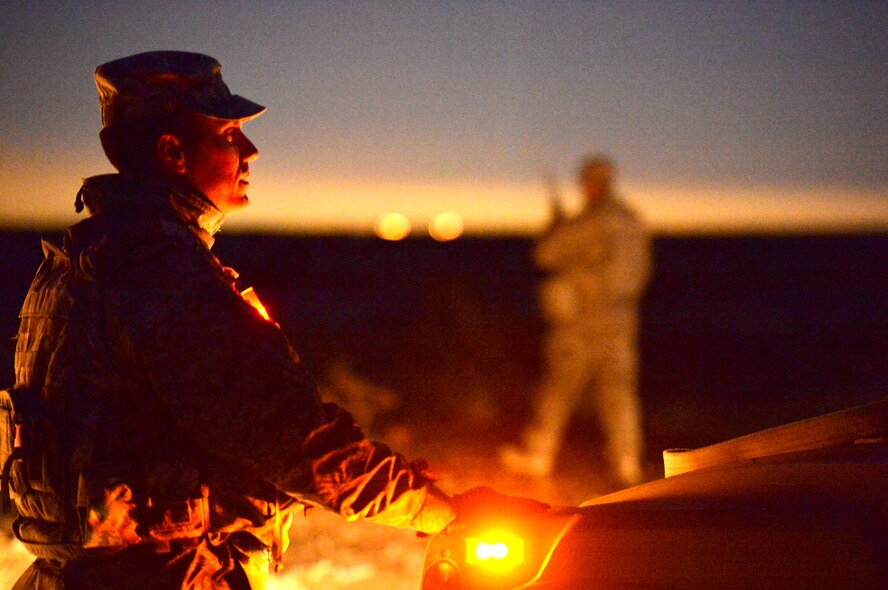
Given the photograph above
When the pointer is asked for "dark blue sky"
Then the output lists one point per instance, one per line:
(731, 95)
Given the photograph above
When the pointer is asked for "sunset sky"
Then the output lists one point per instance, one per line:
(722, 116)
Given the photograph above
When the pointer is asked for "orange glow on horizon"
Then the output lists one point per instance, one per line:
(42, 199)
(513, 208)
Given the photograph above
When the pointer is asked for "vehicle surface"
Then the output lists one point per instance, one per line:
(803, 505)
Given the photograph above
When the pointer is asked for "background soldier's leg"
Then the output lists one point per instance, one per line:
(619, 409)
(567, 373)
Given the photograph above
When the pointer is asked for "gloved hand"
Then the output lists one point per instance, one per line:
(436, 514)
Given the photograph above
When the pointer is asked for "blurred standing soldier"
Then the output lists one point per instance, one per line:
(598, 264)
(165, 430)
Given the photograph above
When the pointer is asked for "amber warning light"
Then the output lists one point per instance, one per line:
(496, 550)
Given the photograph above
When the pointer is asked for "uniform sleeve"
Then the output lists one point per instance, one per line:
(366, 480)
(231, 381)
(575, 243)
(559, 246)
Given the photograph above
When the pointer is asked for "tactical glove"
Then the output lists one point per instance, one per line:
(436, 514)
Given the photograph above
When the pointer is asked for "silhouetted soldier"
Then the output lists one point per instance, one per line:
(598, 264)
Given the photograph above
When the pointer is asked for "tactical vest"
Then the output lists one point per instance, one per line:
(70, 507)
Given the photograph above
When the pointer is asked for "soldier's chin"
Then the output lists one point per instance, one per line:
(241, 204)
(244, 198)
(232, 205)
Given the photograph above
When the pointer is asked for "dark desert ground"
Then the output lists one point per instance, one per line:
(739, 333)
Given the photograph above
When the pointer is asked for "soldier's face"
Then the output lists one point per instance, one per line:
(595, 182)
(217, 161)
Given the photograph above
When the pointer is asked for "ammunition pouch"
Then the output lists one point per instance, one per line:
(167, 504)
(183, 520)
(31, 454)
(9, 449)
(173, 508)
(110, 508)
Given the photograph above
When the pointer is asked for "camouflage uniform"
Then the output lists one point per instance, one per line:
(165, 392)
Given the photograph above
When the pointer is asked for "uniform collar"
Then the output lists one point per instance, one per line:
(118, 194)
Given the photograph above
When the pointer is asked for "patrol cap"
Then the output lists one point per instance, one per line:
(157, 84)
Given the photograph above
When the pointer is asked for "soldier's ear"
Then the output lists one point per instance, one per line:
(170, 153)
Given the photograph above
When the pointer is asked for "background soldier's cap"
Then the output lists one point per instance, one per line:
(596, 167)
(162, 83)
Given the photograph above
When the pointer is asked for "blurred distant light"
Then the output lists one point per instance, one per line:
(392, 226)
(446, 226)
